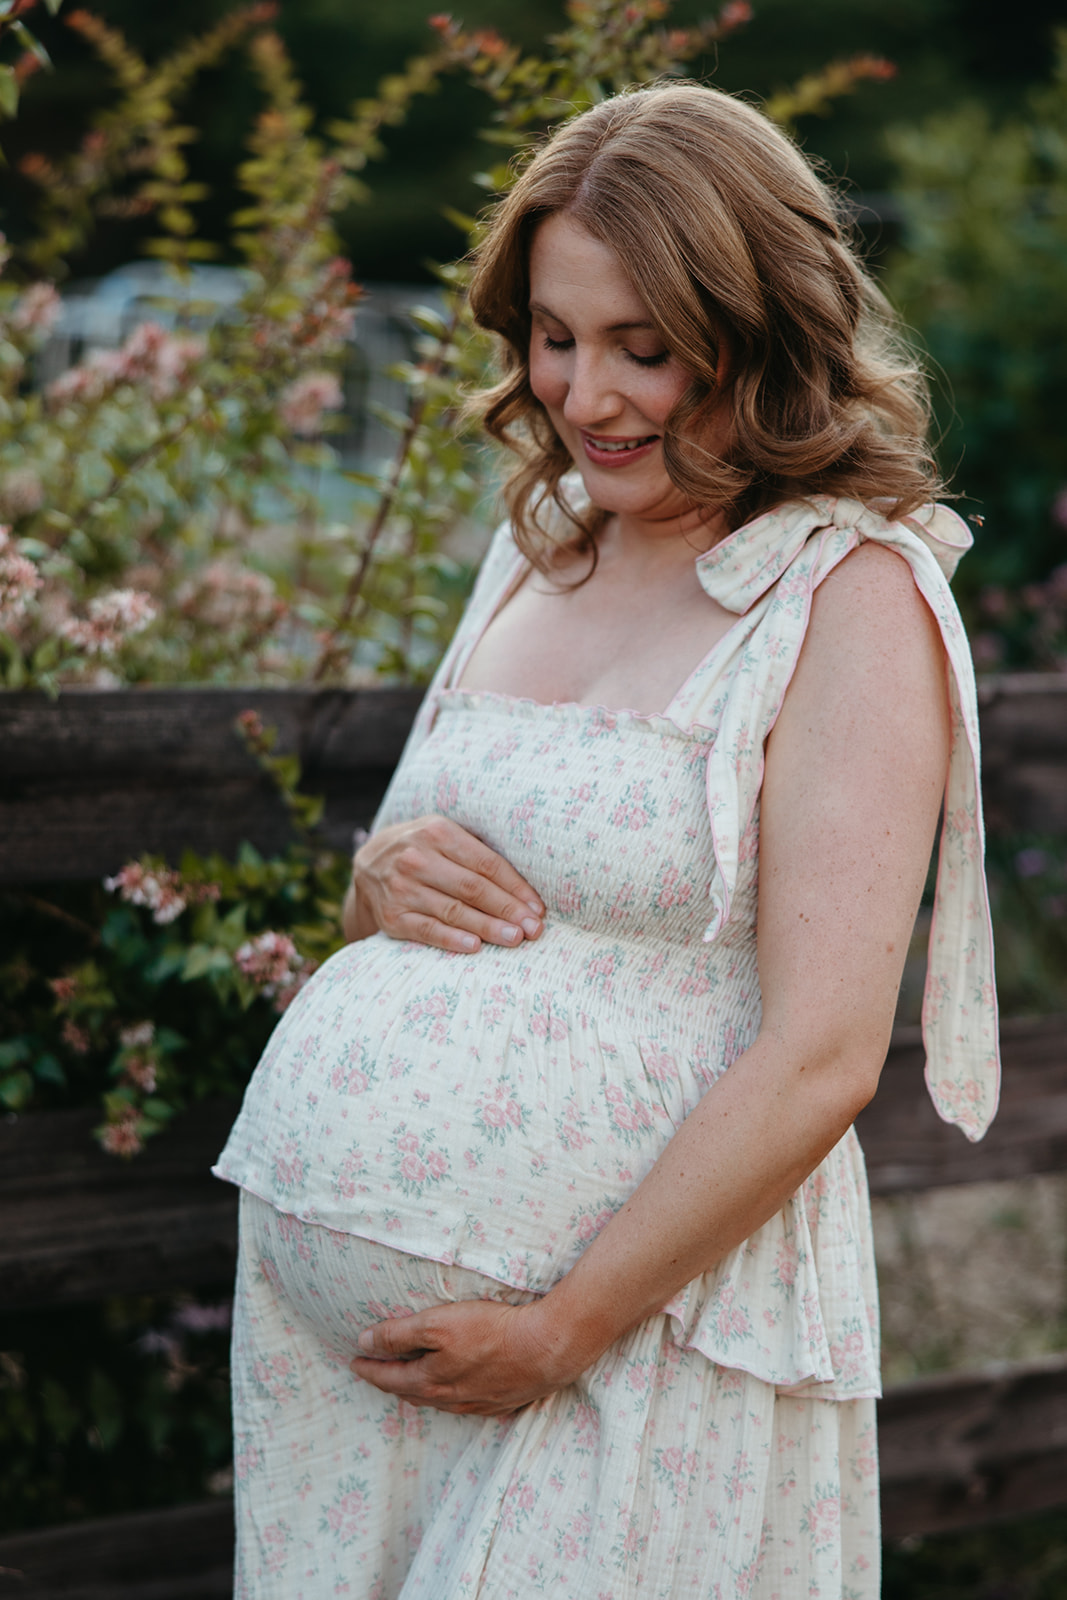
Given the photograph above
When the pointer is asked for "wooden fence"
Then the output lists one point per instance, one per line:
(97, 778)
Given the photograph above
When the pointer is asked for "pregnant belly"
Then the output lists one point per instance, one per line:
(492, 1110)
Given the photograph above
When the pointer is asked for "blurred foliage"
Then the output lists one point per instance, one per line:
(165, 497)
(161, 988)
(1021, 1560)
(172, 464)
(981, 276)
(1028, 890)
(111, 1408)
(945, 50)
(31, 52)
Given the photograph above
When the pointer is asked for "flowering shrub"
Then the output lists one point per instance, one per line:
(160, 496)
(980, 275)
(161, 986)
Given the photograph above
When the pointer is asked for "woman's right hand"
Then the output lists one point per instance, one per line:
(431, 881)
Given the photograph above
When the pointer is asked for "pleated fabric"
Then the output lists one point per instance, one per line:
(657, 1476)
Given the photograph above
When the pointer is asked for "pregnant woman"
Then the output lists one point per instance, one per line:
(556, 1273)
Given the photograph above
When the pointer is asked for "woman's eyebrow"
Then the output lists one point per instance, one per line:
(611, 327)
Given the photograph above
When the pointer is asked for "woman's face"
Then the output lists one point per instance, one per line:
(602, 372)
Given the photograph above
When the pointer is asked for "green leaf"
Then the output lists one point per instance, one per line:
(16, 1088)
(158, 1110)
(13, 1052)
(53, 6)
(204, 959)
(46, 1069)
(28, 42)
(9, 91)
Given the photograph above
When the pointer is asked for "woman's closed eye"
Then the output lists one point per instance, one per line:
(657, 360)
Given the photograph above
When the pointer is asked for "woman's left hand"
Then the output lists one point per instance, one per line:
(472, 1357)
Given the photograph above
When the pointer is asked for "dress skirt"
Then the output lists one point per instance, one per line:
(657, 1475)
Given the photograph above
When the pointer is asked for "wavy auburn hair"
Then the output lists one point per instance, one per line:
(727, 234)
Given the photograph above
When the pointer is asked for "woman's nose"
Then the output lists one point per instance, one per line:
(591, 395)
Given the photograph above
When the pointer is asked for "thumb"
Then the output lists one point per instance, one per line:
(394, 1340)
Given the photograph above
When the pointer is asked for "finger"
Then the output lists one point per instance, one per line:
(469, 851)
(398, 1338)
(473, 889)
(446, 923)
(451, 905)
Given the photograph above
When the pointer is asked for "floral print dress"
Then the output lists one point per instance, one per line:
(427, 1126)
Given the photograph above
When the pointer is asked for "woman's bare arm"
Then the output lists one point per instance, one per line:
(854, 778)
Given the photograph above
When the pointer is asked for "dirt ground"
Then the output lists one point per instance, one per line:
(972, 1275)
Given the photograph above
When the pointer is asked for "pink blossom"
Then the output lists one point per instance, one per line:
(225, 596)
(113, 618)
(159, 361)
(137, 1035)
(64, 989)
(160, 889)
(21, 493)
(19, 579)
(303, 401)
(140, 1069)
(122, 1136)
(273, 963)
(75, 1037)
(37, 309)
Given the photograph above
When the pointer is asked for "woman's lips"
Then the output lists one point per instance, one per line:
(606, 451)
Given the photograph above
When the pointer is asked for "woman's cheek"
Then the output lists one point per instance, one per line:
(547, 382)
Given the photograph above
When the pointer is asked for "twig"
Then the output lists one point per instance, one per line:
(385, 505)
(49, 910)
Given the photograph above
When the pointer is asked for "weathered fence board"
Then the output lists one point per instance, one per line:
(956, 1450)
(1024, 751)
(97, 777)
(183, 1553)
(100, 776)
(908, 1147)
(79, 1224)
(960, 1449)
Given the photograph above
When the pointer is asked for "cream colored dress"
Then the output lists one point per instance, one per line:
(428, 1126)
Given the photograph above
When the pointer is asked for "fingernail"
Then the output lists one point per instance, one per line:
(509, 933)
(468, 941)
(530, 928)
(366, 1341)
(536, 907)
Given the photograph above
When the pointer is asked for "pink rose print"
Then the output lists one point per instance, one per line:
(568, 898)
(500, 1114)
(521, 817)
(785, 1264)
(290, 1169)
(346, 1518)
(417, 1164)
(277, 1537)
(429, 1016)
(849, 1357)
(732, 1321)
(822, 1519)
(630, 1118)
(572, 1542)
(636, 809)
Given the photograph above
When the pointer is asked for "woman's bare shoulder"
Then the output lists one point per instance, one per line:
(870, 610)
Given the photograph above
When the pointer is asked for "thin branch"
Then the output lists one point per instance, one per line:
(385, 505)
(49, 910)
